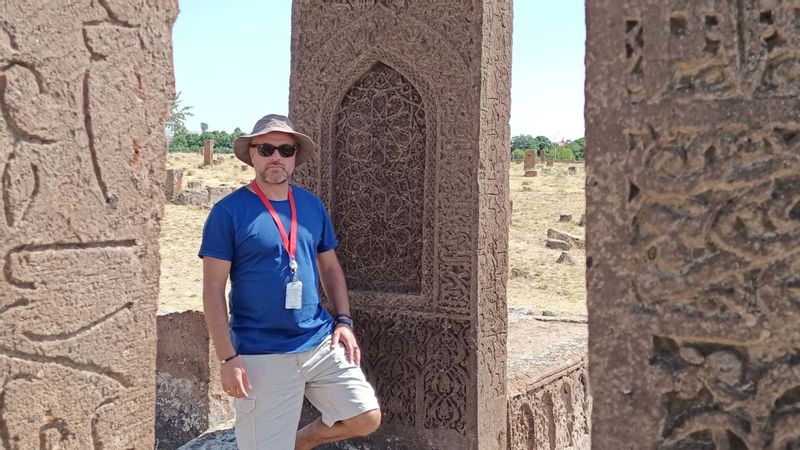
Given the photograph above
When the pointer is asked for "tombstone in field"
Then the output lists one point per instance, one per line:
(174, 183)
(409, 102)
(692, 264)
(530, 160)
(85, 87)
(208, 152)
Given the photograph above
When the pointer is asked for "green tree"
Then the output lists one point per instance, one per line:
(562, 152)
(542, 143)
(578, 147)
(521, 141)
(176, 122)
(518, 154)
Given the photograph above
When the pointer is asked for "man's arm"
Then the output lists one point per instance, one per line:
(215, 276)
(331, 276)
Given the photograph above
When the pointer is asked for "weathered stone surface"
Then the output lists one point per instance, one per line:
(194, 184)
(557, 244)
(582, 221)
(197, 197)
(549, 405)
(83, 91)
(552, 413)
(217, 193)
(692, 123)
(565, 217)
(572, 170)
(573, 240)
(566, 258)
(208, 152)
(174, 183)
(530, 160)
(189, 396)
(531, 173)
(549, 163)
(412, 126)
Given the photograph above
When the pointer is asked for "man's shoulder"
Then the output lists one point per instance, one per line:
(233, 201)
(303, 194)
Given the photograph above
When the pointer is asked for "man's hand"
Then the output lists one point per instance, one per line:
(345, 335)
(234, 378)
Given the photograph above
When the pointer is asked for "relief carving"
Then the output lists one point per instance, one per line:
(721, 396)
(380, 143)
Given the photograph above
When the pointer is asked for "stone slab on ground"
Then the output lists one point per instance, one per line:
(536, 348)
(549, 405)
(572, 239)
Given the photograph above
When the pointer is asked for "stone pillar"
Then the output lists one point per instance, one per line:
(208, 152)
(174, 183)
(189, 397)
(692, 119)
(530, 160)
(413, 135)
(84, 91)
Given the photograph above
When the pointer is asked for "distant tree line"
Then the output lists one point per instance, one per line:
(183, 140)
(522, 142)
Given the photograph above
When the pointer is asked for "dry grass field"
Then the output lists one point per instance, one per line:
(536, 282)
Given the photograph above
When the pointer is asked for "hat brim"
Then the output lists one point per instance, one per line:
(241, 147)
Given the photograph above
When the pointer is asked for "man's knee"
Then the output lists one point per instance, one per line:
(365, 423)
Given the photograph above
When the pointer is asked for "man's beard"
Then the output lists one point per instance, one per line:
(274, 175)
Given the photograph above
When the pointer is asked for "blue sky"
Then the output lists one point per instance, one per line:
(219, 75)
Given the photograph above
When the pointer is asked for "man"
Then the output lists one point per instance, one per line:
(276, 242)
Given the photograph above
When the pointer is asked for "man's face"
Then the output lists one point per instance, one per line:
(273, 169)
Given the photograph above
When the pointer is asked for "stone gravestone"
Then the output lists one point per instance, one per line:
(84, 91)
(412, 126)
(530, 160)
(208, 152)
(692, 115)
(174, 183)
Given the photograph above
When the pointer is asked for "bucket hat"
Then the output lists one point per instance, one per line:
(269, 124)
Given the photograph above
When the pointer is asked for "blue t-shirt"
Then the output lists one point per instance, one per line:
(241, 230)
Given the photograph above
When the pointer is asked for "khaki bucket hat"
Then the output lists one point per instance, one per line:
(268, 124)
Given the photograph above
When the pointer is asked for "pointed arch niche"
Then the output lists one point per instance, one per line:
(379, 154)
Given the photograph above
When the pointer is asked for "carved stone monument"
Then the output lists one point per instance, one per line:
(409, 102)
(694, 223)
(84, 94)
(208, 152)
(530, 160)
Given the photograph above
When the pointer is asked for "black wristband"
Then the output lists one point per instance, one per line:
(235, 355)
(344, 321)
(338, 315)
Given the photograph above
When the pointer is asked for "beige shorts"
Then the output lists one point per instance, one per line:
(268, 419)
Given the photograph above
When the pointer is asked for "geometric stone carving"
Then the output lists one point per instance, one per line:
(413, 162)
(693, 223)
(82, 100)
(380, 142)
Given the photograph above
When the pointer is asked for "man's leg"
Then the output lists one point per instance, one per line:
(268, 418)
(338, 389)
(317, 433)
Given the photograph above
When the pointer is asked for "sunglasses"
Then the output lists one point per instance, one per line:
(286, 150)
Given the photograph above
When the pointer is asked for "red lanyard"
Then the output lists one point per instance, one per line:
(289, 242)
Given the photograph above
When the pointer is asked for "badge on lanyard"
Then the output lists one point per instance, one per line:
(294, 289)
